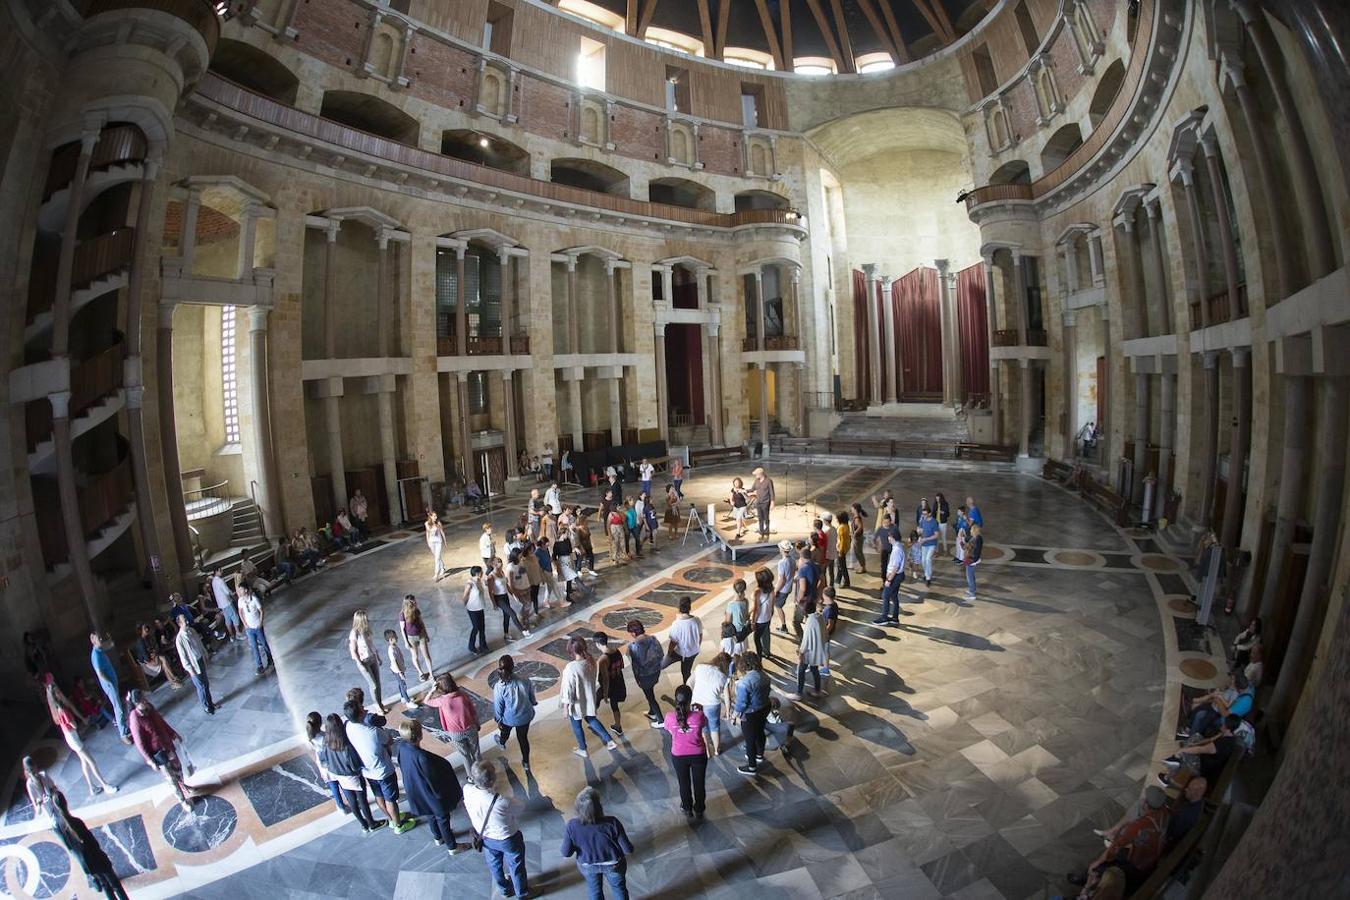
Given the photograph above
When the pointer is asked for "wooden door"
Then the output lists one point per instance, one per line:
(490, 469)
(371, 482)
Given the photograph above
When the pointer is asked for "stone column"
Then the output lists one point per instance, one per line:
(715, 353)
(1019, 297)
(893, 371)
(668, 284)
(1229, 246)
(1298, 392)
(874, 393)
(1135, 270)
(1322, 256)
(701, 277)
(382, 298)
(1024, 445)
(762, 317)
(990, 308)
(1072, 284)
(187, 237)
(332, 408)
(951, 368)
(65, 263)
(800, 372)
(461, 310)
(77, 550)
(615, 409)
(573, 378)
(330, 289)
(1331, 435)
(1159, 265)
(508, 299)
(1104, 388)
(509, 432)
(1141, 432)
(463, 442)
(248, 239)
(662, 402)
(1265, 170)
(612, 301)
(388, 445)
(1166, 438)
(168, 437)
(764, 407)
(1234, 504)
(262, 422)
(1095, 260)
(1196, 222)
(1070, 384)
(1209, 452)
(792, 318)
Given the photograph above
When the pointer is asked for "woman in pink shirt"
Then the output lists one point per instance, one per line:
(458, 717)
(688, 754)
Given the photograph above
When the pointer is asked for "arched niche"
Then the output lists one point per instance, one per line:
(1107, 88)
(260, 72)
(368, 113)
(589, 175)
(1014, 171)
(485, 150)
(1063, 142)
(681, 192)
(746, 200)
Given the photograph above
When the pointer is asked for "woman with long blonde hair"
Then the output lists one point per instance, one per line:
(416, 636)
(366, 655)
(67, 719)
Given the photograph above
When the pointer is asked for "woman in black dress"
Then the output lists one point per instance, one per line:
(84, 847)
(609, 675)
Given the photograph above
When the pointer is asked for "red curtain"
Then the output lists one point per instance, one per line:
(862, 360)
(884, 371)
(918, 338)
(972, 333)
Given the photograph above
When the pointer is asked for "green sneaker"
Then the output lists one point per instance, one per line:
(408, 823)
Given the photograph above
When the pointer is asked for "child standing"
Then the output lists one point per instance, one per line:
(914, 555)
(395, 653)
(829, 619)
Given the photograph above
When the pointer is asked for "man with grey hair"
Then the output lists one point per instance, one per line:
(493, 819)
(600, 845)
(762, 490)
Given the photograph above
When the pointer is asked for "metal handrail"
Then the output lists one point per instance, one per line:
(211, 500)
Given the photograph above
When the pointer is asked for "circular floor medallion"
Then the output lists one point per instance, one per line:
(707, 574)
(1076, 559)
(543, 675)
(617, 619)
(205, 827)
(1157, 562)
(1198, 669)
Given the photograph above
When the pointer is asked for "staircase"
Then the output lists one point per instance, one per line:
(42, 458)
(695, 437)
(926, 429)
(246, 539)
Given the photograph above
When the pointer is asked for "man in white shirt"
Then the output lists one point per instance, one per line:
(553, 498)
(687, 635)
(891, 581)
(192, 654)
(645, 473)
(831, 546)
(487, 547)
(225, 602)
(547, 459)
(251, 609)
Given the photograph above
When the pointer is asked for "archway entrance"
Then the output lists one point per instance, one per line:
(684, 356)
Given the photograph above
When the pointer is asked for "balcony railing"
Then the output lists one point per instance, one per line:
(91, 380)
(1217, 307)
(302, 124)
(474, 345)
(101, 500)
(1007, 337)
(991, 193)
(116, 145)
(200, 14)
(94, 259)
(772, 342)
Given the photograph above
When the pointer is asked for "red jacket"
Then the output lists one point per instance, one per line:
(151, 734)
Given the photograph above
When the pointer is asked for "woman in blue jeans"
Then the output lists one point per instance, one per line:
(579, 698)
(600, 845)
(493, 818)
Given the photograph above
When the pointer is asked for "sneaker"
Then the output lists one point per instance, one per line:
(456, 849)
(96, 790)
(969, 597)
(438, 842)
(612, 745)
(616, 729)
(658, 724)
(112, 789)
(498, 738)
(747, 770)
(1164, 780)
(793, 696)
(582, 753)
(880, 621)
(407, 825)
(1182, 735)
(378, 824)
(259, 670)
(824, 671)
(527, 633)
(525, 766)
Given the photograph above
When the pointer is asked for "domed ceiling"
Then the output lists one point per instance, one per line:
(854, 34)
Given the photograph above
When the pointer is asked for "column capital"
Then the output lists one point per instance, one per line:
(135, 396)
(331, 230)
(1153, 210)
(506, 375)
(713, 328)
(795, 274)
(943, 265)
(1209, 145)
(382, 235)
(257, 318)
(166, 315)
(1185, 169)
(89, 140)
(1126, 224)
(570, 262)
(611, 266)
(150, 171)
(1070, 318)
(886, 287)
(60, 401)
(870, 271)
(660, 328)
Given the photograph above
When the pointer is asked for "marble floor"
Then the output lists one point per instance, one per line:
(968, 753)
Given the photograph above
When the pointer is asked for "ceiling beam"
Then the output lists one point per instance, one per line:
(770, 33)
(785, 17)
(879, 29)
(824, 25)
(630, 22)
(723, 15)
(705, 22)
(645, 20)
(897, 38)
(845, 44)
(935, 21)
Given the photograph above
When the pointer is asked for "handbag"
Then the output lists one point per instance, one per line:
(476, 836)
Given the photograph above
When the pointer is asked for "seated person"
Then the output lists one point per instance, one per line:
(1209, 709)
(1247, 638)
(1187, 810)
(203, 623)
(1134, 847)
(1255, 670)
(342, 533)
(92, 705)
(780, 725)
(281, 557)
(250, 578)
(145, 650)
(1205, 756)
(473, 495)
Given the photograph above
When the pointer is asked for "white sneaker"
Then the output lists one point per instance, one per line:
(612, 745)
(793, 696)
(527, 633)
(582, 753)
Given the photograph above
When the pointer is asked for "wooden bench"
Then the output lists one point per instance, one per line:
(985, 452)
(715, 454)
(1054, 470)
(1105, 499)
(859, 447)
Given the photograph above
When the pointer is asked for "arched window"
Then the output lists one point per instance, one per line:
(681, 192)
(1061, 144)
(760, 200)
(1014, 172)
(998, 128)
(485, 150)
(1107, 88)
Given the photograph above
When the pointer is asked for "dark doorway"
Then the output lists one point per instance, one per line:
(684, 373)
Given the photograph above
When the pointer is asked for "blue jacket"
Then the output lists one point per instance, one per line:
(513, 701)
(603, 842)
(752, 693)
(428, 781)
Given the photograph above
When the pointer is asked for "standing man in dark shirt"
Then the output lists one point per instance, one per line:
(762, 488)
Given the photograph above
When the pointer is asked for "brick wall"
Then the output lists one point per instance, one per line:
(441, 74)
(638, 134)
(546, 109)
(719, 149)
(332, 31)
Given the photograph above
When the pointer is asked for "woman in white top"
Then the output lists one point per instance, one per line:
(712, 692)
(761, 612)
(435, 541)
(314, 732)
(40, 786)
(361, 647)
(493, 818)
(475, 600)
(686, 636)
(579, 698)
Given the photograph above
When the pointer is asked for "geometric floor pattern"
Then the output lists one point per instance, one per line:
(968, 753)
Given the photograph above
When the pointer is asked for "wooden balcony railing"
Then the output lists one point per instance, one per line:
(1217, 307)
(1007, 337)
(116, 145)
(94, 259)
(91, 380)
(1120, 107)
(520, 345)
(302, 124)
(991, 193)
(772, 342)
(482, 346)
(200, 14)
(1036, 337)
(101, 500)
